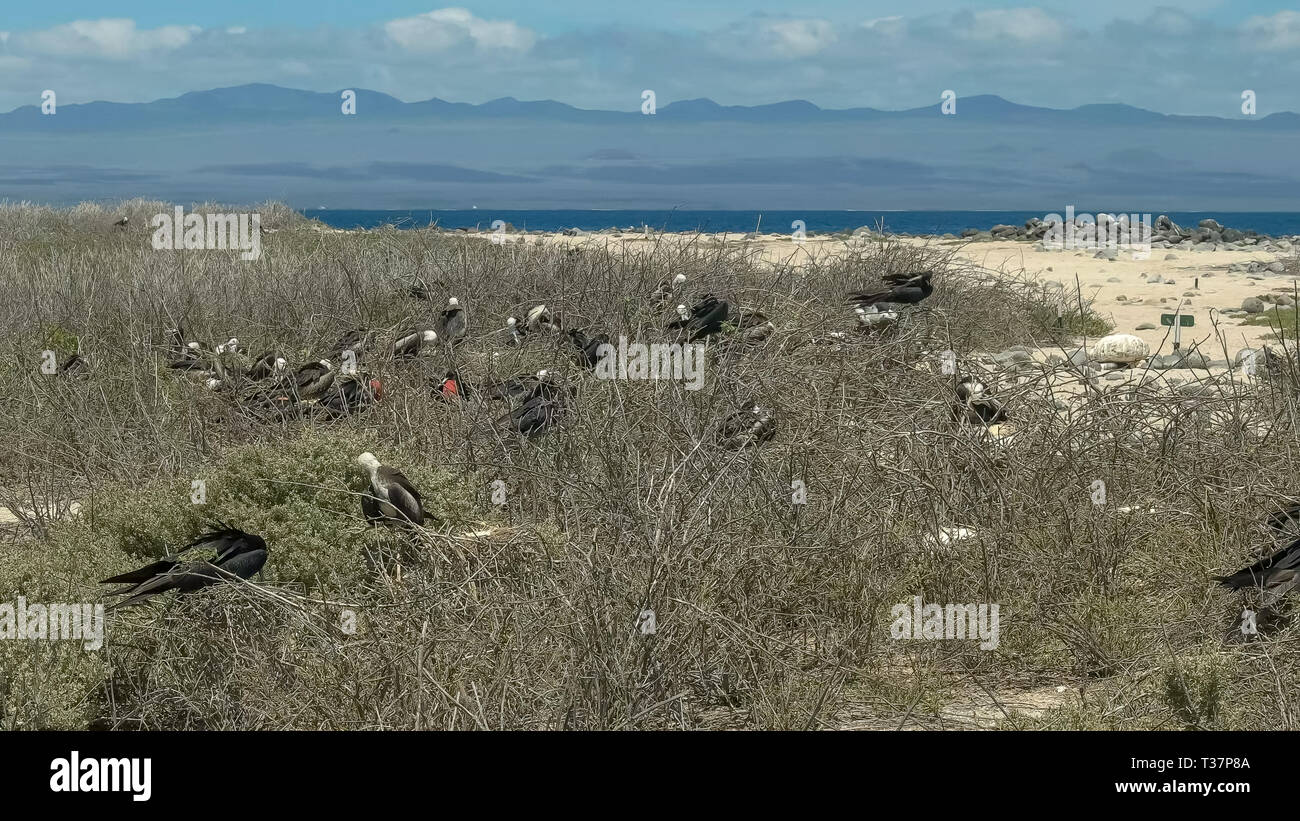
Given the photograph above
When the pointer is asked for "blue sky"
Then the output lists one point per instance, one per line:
(1196, 58)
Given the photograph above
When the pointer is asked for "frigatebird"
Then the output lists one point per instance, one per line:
(908, 292)
(540, 318)
(266, 366)
(409, 343)
(358, 341)
(975, 404)
(392, 497)
(587, 348)
(452, 323)
(1276, 575)
(748, 426)
(122, 222)
(350, 394)
(705, 317)
(313, 379)
(752, 325)
(667, 288)
(238, 555)
(452, 389)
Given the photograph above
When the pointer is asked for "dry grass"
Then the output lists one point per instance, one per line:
(770, 614)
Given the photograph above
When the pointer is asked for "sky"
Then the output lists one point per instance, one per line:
(1197, 58)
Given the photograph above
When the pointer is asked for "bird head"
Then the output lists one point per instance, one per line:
(679, 279)
(430, 336)
(368, 461)
(511, 322)
(543, 374)
(683, 312)
(453, 302)
(213, 383)
(281, 364)
(193, 346)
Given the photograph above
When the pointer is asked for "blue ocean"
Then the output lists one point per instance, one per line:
(1273, 223)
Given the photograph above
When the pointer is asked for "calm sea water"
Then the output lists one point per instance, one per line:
(902, 222)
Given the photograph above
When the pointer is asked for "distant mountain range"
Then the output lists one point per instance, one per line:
(259, 101)
(259, 141)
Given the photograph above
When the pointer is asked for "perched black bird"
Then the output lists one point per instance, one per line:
(75, 365)
(266, 366)
(537, 415)
(909, 292)
(905, 278)
(705, 318)
(543, 402)
(521, 387)
(976, 405)
(349, 395)
(238, 555)
(313, 379)
(1276, 575)
(122, 222)
(358, 341)
(587, 348)
(392, 497)
(748, 426)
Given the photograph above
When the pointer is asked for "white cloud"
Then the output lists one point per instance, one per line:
(116, 39)
(798, 38)
(237, 30)
(894, 24)
(448, 28)
(1027, 25)
(1277, 33)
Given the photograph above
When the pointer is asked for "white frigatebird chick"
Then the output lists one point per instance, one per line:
(540, 318)
(453, 325)
(666, 289)
(976, 405)
(392, 497)
(748, 426)
(706, 317)
(587, 348)
(313, 379)
(409, 343)
(238, 555)
(910, 292)
(1276, 575)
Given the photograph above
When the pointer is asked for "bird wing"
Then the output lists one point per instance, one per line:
(402, 494)
(143, 574)
(1265, 570)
